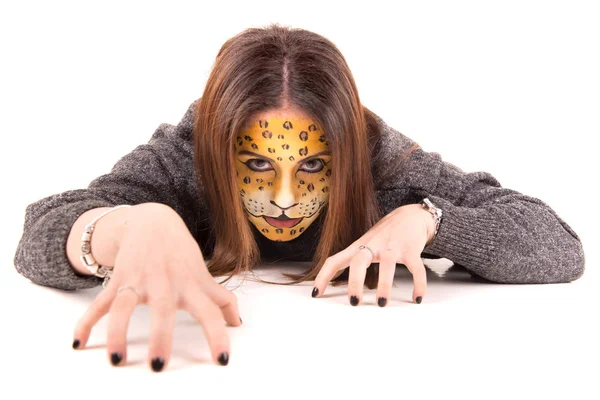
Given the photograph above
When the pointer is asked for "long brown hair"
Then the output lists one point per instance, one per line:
(267, 68)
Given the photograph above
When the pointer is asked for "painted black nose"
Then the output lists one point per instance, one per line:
(283, 208)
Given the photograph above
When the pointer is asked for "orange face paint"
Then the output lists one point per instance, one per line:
(282, 164)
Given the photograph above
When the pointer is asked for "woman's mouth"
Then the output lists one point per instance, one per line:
(282, 223)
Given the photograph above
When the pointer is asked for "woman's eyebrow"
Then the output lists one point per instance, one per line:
(250, 153)
(321, 153)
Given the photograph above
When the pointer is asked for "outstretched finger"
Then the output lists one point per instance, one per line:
(118, 321)
(333, 267)
(205, 311)
(225, 300)
(358, 271)
(417, 269)
(97, 309)
(387, 270)
(163, 309)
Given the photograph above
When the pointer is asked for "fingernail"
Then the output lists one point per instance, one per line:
(241, 320)
(115, 358)
(419, 298)
(223, 358)
(315, 292)
(353, 300)
(76, 343)
(157, 364)
(382, 301)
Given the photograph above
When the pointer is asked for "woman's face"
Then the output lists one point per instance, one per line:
(283, 170)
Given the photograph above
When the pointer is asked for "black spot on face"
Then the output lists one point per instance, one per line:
(254, 146)
(261, 188)
(263, 124)
(291, 158)
(248, 138)
(279, 230)
(259, 180)
(271, 150)
(239, 141)
(280, 136)
(246, 179)
(322, 138)
(328, 173)
(325, 189)
(267, 134)
(310, 187)
(287, 125)
(279, 159)
(285, 146)
(312, 127)
(303, 151)
(303, 136)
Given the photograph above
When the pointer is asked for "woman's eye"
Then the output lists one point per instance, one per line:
(258, 165)
(314, 165)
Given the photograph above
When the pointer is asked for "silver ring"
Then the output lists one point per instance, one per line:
(362, 246)
(128, 287)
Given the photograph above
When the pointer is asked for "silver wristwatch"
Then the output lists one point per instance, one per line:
(435, 211)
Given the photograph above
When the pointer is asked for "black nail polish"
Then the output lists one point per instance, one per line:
(354, 300)
(115, 358)
(241, 320)
(223, 358)
(419, 298)
(382, 301)
(315, 292)
(76, 343)
(157, 364)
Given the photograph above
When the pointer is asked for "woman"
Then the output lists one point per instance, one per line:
(278, 160)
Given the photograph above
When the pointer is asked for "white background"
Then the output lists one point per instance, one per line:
(511, 88)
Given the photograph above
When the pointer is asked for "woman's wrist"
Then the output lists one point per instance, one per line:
(430, 224)
(107, 235)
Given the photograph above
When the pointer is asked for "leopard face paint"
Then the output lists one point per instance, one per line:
(283, 170)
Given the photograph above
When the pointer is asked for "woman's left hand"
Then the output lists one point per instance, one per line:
(399, 237)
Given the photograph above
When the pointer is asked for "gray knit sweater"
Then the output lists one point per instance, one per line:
(495, 233)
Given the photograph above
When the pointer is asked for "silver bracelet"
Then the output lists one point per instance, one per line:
(86, 250)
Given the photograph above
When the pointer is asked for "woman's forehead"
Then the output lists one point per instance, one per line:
(275, 118)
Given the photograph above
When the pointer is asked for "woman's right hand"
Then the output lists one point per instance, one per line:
(161, 260)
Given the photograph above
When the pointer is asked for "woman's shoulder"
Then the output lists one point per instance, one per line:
(182, 131)
(390, 153)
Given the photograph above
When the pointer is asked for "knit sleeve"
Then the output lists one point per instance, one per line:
(496, 233)
(160, 171)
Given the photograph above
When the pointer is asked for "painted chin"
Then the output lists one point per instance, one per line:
(288, 223)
